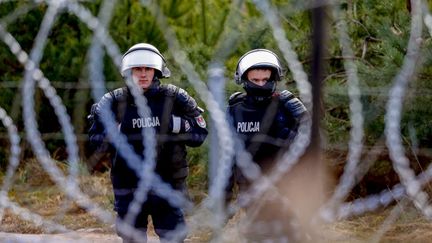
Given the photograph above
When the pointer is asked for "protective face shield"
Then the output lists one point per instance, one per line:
(258, 58)
(147, 55)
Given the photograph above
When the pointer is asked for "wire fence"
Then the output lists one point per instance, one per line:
(325, 209)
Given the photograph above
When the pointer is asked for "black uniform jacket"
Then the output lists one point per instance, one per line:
(266, 126)
(164, 101)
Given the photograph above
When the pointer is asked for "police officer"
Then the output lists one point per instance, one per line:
(177, 121)
(266, 121)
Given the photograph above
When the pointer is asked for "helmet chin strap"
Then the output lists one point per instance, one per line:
(259, 92)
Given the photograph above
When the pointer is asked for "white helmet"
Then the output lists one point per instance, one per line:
(258, 58)
(147, 55)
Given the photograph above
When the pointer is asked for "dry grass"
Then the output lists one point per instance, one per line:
(33, 190)
(409, 226)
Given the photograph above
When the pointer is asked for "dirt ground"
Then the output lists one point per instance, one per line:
(35, 193)
(51, 238)
(74, 237)
(340, 232)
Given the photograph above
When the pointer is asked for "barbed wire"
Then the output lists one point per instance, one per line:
(112, 84)
(337, 209)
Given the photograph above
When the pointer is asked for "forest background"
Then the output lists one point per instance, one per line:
(379, 32)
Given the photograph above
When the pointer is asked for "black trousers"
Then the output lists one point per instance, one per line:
(168, 221)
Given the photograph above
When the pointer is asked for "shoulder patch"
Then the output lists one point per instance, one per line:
(200, 121)
(236, 98)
